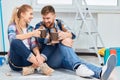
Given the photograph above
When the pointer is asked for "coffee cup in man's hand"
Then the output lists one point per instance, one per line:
(54, 37)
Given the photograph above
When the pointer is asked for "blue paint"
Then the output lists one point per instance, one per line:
(1, 19)
(2, 60)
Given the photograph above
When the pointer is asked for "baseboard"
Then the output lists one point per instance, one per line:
(3, 53)
(79, 53)
(86, 54)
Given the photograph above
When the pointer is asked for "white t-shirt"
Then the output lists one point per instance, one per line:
(25, 41)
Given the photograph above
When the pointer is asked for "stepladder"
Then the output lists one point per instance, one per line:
(86, 24)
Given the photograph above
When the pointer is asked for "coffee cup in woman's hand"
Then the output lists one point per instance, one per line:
(43, 33)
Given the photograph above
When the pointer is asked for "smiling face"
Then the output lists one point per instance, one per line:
(48, 19)
(25, 13)
(48, 16)
(28, 15)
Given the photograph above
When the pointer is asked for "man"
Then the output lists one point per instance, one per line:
(59, 53)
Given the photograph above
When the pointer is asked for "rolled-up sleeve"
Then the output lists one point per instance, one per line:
(11, 33)
(33, 42)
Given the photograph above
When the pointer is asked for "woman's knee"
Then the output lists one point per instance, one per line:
(15, 42)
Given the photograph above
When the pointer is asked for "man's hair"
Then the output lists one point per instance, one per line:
(47, 9)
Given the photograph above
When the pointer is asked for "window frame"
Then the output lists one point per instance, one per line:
(57, 2)
(99, 4)
(72, 8)
(58, 8)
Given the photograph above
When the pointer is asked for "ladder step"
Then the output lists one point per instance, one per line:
(84, 19)
(85, 16)
(90, 32)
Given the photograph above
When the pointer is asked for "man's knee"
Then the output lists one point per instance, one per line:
(63, 46)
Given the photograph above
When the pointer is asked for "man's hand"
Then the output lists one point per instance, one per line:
(62, 35)
(67, 42)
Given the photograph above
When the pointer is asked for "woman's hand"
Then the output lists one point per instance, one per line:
(40, 59)
(36, 33)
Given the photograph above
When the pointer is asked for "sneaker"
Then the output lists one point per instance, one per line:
(46, 70)
(84, 71)
(27, 70)
(108, 68)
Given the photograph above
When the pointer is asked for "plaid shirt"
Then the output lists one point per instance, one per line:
(12, 32)
(57, 26)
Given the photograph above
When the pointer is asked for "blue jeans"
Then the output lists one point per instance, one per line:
(18, 55)
(60, 56)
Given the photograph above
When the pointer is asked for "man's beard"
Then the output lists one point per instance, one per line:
(50, 25)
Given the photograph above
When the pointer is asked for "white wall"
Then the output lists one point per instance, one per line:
(7, 7)
(0, 38)
(109, 28)
(108, 25)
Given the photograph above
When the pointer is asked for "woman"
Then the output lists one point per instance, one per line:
(24, 52)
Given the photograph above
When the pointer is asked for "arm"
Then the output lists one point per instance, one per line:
(34, 33)
(39, 58)
(36, 51)
(64, 35)
(24, 36)
(42, 40)
(68, 33)
(12, 33)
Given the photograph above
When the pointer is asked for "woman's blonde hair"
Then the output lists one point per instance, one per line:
(16, 15)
